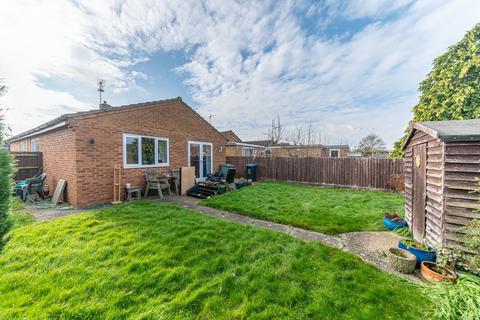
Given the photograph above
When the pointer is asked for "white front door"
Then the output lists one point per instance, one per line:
(200, 156)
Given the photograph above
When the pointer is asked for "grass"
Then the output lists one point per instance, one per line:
(18, 216)
(327, 210)
(148, 260)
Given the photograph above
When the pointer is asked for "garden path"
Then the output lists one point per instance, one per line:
(369, 246)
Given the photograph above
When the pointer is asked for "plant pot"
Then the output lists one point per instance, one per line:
(392, 225)
(401, 260)
(421, 255)
(239, 185)
(434, 273)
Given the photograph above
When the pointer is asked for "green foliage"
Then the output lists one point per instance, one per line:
(472, 241)
(151, 260)
(6, 170)
(456, 258)
(451, 90)
(327, 210)
(371, 144)
(404, 233)
(18, 216)
(455, 302)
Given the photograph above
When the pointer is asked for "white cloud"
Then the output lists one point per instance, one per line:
(246, 61)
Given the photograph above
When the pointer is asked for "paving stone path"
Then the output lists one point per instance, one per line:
(369, 246)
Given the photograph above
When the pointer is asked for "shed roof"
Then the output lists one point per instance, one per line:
(450, 130)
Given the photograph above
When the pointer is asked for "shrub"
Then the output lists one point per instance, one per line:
(471, 240)
(459, 301)
(6, 170)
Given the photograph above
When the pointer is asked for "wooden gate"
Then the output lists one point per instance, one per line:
(27, 164)
(419, 192)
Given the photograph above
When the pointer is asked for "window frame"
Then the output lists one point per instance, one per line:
(330, 153)
(22, 146)
(139, 151)
(268, 152)
(201, 144)
(248, 148)
(37, 141)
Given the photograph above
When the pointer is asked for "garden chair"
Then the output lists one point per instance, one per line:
(17, 190)
(176, 180)
(34, 186)
(155, 182)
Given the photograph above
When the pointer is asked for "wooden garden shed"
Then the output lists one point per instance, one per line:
(442, 166)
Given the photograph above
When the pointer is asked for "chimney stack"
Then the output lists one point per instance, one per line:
(105, 106)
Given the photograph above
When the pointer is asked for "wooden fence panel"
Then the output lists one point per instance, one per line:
(27, 164)
(373, 173)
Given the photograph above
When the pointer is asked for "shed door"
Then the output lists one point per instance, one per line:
(419, 190)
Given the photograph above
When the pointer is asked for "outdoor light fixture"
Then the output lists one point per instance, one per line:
(220, 149)
(91, 140)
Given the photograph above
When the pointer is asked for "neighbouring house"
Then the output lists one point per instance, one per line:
(315, 151)
(234, 147)
(288, 150)
(378, 154)
(231, 136)
(241, 149)
(442, 168)
(83, 148)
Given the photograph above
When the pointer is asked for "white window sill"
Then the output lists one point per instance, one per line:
(141, 166)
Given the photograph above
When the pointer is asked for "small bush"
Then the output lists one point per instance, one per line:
(455, 302)
(472, 241)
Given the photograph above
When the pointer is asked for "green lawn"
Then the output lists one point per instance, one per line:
(327, 210)
(148, 260)
(18, 215)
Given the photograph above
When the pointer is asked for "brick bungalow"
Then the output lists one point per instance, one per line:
(315, 151)
(84, 147)
(234, 146)
(288, 150)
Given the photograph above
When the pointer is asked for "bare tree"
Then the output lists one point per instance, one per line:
(322, 139)
(371, 144)
(276, 131)
(310, 137)
(296, 136)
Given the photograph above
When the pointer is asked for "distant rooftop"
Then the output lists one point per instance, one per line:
(266, 143)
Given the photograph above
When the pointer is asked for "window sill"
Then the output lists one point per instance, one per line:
(142, 166)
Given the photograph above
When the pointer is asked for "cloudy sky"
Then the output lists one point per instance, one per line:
(349, 68)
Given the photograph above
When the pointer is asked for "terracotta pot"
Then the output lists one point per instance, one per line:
(401, 260)
(427, 269)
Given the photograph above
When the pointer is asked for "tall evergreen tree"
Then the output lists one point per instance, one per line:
(6, 171)
(451, 90)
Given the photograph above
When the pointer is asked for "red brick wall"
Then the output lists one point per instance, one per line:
(88, 167)
(95, 162)
(58, 148)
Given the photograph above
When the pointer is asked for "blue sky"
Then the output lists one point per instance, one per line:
(347, 67)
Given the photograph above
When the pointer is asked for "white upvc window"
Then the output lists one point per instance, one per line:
(334, 153)
(145, 151)
(34, 145)
(247, 152)
(268, 152)
(21, 146)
